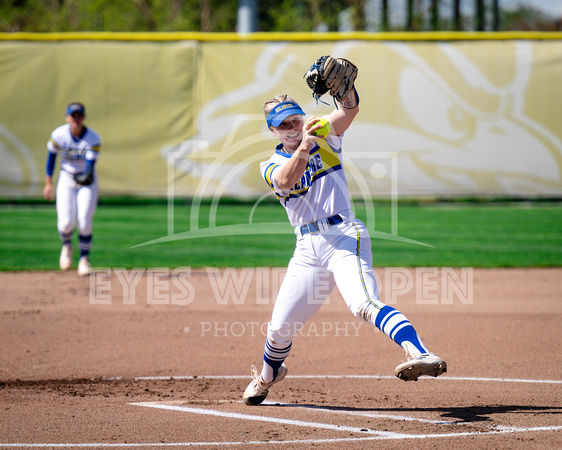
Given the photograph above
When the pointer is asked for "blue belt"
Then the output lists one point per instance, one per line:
(314, 227)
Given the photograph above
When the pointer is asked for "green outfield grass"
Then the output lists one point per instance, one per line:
(458, 234)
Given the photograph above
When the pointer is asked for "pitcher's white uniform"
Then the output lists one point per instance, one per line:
(338, 253)
(333, 248)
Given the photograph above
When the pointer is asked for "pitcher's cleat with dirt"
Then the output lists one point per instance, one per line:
(257, 390)
(424, 364)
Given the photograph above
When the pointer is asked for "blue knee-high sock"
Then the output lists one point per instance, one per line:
(274, 356)
(398, 328)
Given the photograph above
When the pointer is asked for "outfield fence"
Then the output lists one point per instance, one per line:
(180, 114)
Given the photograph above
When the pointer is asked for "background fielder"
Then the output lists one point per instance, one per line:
(77, 187)
(333, 247)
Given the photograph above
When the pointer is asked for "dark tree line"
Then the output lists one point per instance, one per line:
(278, 15)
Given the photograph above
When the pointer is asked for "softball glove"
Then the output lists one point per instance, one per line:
(336, 75)
(84, 178)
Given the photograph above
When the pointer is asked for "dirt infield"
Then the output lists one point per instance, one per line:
(125, 358)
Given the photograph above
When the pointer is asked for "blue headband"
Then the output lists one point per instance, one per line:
(281, 112)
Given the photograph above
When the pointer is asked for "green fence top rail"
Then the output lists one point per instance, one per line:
(282, 36)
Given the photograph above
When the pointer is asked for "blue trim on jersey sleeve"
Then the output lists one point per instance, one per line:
(267, 174)
(50, 163)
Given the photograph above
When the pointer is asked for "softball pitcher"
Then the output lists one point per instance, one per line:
(77, 186)
(333, 247)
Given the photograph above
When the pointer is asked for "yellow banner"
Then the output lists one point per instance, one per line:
(184, 118)
(139, 97)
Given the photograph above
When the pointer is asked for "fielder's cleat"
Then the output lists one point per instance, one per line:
(65, 260)
(424, 364)
(257, 390)
(84, 266)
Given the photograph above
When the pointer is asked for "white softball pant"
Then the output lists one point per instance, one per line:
(75, 204)
(342, 256)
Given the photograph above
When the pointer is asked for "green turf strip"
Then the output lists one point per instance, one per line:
(152, 234)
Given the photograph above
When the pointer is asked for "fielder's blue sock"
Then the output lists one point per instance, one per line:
(66, 238)
(84, 243)
(273, 358)
(398, 328)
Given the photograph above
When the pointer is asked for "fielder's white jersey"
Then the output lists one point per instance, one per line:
(321, 192)
(74, 152)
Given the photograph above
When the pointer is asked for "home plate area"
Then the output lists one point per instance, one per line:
(277, 422)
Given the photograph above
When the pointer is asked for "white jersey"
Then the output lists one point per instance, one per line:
(74, 152)
(321, 192)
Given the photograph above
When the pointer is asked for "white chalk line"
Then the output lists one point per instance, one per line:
(287, 442)
(368, 377)
(375, 434)
(252, 417)
(361, 413)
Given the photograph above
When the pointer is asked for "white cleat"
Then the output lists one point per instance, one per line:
(424, 364)
(84, 267)
(65, 260)
(257, 390)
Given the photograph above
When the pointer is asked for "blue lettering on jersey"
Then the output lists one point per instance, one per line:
(74, 153)
(313, 167)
